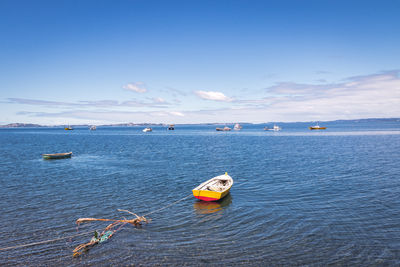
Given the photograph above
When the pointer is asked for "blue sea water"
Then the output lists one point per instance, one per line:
(299, 197)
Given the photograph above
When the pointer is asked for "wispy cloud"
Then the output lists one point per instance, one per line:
(137, 87)
(152, 102)
(173, 91)
(159, 100)
(99, 103)
(376, 95)
(215, 96)
(109, 115)
(38, 102)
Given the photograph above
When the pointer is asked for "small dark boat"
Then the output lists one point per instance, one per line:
(223, 129)
(171, 127)
(57, 155)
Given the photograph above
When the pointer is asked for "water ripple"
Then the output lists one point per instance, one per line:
(299, 197)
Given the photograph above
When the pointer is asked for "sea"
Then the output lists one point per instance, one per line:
(299, 198)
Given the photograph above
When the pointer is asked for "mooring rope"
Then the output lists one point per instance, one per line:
(167, 206)
(44, 242)
(66, 237)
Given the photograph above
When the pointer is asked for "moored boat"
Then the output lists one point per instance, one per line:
(171, 127)
(237, 127)
(223, 129)
(69, 128)
(214, 189)
(93, 128)
(57, 155)
(316, 127)
(275, 128)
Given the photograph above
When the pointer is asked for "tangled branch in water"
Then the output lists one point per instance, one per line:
(108, 232)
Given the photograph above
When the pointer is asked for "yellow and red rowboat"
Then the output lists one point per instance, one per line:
(214, 189)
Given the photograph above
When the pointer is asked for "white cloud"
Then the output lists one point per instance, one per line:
(137, 87)
(215, 96)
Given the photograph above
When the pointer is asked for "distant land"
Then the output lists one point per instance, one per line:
(20, 125)
(130, 124)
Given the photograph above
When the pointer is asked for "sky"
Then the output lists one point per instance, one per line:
(104, 62)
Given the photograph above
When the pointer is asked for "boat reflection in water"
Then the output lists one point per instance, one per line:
(207, 207)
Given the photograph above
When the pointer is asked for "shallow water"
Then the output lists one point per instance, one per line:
(299, 197)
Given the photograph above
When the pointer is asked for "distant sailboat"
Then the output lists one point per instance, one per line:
(69, 128)
(93, 128)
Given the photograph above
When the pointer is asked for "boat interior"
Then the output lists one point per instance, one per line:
(217, 185)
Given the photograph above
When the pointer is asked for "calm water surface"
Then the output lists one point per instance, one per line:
(300, 197)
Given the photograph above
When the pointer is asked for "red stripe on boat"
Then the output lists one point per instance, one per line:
(206, 198)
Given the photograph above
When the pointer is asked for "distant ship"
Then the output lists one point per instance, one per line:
(69, 128)
(237, 127)
(171, 127)
(148, 129)
(93, 128)
(316, 127)
(275, 128)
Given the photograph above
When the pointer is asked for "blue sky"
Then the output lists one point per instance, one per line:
(96, 62)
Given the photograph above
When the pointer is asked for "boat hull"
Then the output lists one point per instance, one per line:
(206, 195)
(57, 156)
